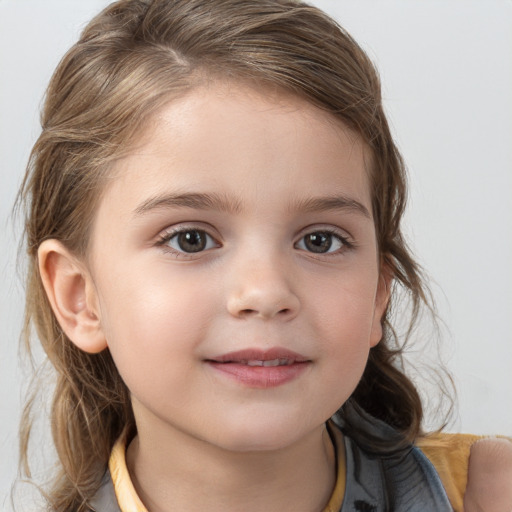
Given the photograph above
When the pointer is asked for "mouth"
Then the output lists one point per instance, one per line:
(272, 362)
(256, 357)
(260, 368)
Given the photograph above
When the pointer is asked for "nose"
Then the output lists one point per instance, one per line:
(262, 288)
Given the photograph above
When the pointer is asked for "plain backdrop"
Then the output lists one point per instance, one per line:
(446, 68)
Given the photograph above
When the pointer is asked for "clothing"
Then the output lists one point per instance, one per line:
(449, 454)
(429, 476)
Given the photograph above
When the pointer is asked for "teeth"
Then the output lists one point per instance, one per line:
(272, 362)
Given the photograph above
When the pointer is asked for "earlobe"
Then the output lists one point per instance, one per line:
(71, 293)
(382, 299)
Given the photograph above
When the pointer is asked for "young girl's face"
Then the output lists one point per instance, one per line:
(235, 264)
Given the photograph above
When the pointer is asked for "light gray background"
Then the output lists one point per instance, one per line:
(446, 68)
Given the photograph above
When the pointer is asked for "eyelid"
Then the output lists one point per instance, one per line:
(327, 228)
(345, 238)
(167, 234)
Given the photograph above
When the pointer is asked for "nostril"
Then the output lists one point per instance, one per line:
(252, 304)
(247, 312)
(253, 312)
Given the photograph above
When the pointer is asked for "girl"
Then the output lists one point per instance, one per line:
(213, 224)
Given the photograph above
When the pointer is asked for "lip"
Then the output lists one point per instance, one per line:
(260, 368)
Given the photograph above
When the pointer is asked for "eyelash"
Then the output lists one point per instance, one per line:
(166, 238)
(343, 240)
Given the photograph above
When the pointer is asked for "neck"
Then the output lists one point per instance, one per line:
(172, 471)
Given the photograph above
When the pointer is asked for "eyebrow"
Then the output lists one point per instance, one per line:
(331, 203)
(224, 203)
(198, 201)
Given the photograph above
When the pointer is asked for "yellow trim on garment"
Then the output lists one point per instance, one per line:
(126, 496)
(338, 492)
(449, 453)
(129, 501)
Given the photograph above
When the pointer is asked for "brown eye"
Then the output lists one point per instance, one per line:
(321, 242)
(191, 241)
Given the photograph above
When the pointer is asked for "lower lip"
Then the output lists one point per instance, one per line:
(261, 376)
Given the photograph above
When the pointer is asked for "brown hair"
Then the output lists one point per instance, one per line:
(131, 59)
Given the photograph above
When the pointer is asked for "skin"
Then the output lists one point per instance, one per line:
(163, 313)
(489, 486)
(206, 440)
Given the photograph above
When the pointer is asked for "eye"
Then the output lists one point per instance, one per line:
(190, 241)
(321, 242)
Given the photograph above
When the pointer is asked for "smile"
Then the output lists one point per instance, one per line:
(260, 369)
(272, 362)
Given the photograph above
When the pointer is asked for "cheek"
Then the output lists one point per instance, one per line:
(344, 320)
(152, 297)
(345, 308)
(155, 320)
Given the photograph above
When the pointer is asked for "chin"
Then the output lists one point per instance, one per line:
(261, 435)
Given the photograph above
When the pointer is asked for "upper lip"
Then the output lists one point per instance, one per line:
(254, 354)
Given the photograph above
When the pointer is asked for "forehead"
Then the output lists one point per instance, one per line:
(234, 137)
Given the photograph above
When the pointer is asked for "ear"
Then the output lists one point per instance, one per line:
(72, 295)
(382, 298)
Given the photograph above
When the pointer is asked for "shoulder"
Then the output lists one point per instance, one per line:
(489, 486)
(471, 467)
(449, 454)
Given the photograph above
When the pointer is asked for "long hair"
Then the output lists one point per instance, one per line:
(130, 60)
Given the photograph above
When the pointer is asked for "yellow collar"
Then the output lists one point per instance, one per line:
(129, 501)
